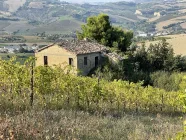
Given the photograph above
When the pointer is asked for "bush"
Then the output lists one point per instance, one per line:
(166, 80)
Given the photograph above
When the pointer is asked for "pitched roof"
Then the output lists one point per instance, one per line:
(115, 57)
(79, 46)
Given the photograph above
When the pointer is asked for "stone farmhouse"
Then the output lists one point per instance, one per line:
(83, 55)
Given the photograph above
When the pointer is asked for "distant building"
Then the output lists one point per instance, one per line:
(162, 33)
(141, 34)
(83, 55)
(151, 34)
(138, 12)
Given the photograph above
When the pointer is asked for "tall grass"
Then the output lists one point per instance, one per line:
(71, 125)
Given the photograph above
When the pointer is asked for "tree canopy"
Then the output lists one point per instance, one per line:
(159, 56)
(100, 29)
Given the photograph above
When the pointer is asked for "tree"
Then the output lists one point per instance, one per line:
(161, 56)
(100, 29)
(22, 50)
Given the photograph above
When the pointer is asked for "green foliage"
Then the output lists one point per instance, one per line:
(166, 80)
(181, 135)
(154, 65)
(12, 39)
(20, 57)
(100, 29)
(158, 57)
(23, 50)
(56, 89)
(161, 56)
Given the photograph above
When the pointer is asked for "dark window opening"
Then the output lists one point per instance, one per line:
(85, 61)
(71, 61)
(45, 60)
(96, 61)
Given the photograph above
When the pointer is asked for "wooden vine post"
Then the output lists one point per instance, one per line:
(32, 84)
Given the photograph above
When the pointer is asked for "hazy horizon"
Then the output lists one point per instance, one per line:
(93, 1)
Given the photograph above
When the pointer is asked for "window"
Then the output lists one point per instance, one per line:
(71, 61)
(85, 60)
(45, 60)
(96, 61)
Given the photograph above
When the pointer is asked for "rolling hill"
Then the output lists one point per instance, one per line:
(29, 17)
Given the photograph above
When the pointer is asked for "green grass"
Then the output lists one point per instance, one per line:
(3, 24)
(35, 39)
(65, 18)
(21, 57)
(58, 27)
(20, 27)
(2, 45)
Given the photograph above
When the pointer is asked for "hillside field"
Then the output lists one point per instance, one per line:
(21, 57)
(29, 17)
(14, 5)
(161, 24)
(178, 42)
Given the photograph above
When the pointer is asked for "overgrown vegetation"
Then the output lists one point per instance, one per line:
(53, 89)
(66, 90)
(20, 57)
(141, 97)
(63, 124)
(12, 39)
(156, 66)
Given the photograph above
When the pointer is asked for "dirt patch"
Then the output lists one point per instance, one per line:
(183, 25)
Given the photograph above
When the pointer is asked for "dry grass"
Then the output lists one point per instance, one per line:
(36, 5)
(14, 4)
(141, 17)
(153, 19)
(162, 6)
(125, 18)
(178, 43)
(160, 25)
(181, 4)
(183, 25)
(46, 124)
(182, 11)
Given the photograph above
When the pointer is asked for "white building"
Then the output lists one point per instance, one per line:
(141, 34)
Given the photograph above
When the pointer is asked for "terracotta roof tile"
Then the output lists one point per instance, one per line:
(81, 46)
